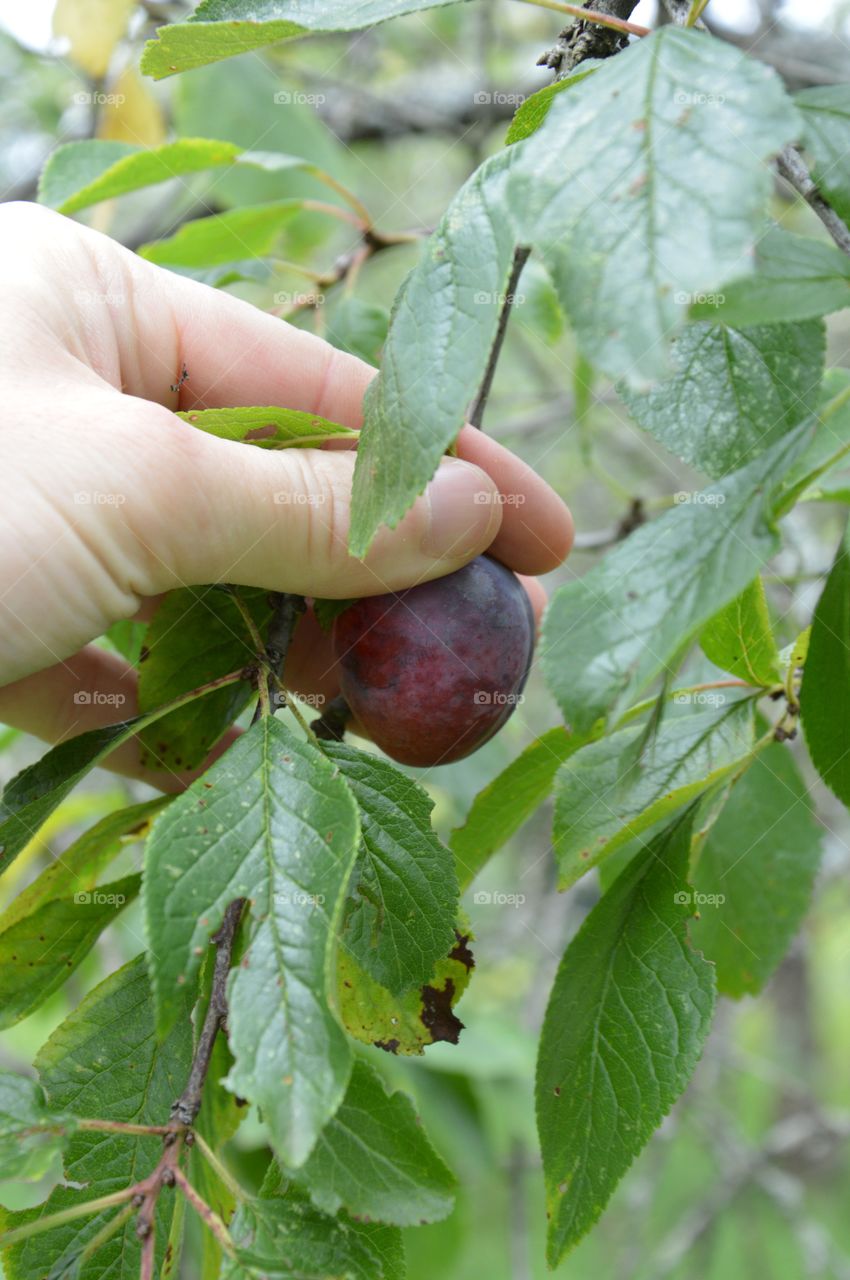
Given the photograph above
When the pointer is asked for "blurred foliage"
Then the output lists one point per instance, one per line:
(751, 1173)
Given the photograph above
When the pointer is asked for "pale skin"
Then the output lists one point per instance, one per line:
(108, 500)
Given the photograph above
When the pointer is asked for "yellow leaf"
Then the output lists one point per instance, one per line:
(93, 28)
(131, 113)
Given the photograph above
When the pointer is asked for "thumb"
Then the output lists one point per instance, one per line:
(280, 520)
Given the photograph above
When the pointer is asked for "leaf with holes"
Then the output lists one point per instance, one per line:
(400, 915)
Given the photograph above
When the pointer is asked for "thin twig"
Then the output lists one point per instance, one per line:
(594, 16)
(188, 1104)
(148, 1262)
(207, 1215)
(476, 413)
(220, 1169)
(793, 168)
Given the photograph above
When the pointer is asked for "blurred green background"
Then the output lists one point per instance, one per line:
(750, 1176)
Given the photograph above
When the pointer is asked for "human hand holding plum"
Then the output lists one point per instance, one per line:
(108, 500)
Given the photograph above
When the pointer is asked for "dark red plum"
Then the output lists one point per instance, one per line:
(433, 672)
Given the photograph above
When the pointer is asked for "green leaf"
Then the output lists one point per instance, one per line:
(406, 1024)
(631, 202)
(41, 951)
(509, 801)
(374, 1160)
(327, 610)
(33, 794)
(234, 236)
(104, 1061)
(270, 821)
(127, 638)
(445, 316)
(826, 133)
(530, 114)
(357, 327)
(734, 393)
(825, 694)
(196, 635)
(79, 174)
(739, 638)
(795, 278)
(280, 1236)
(604, 796)
(223, 28)
(607, 635)
(78, 868)
(400, 915)
(829, 444)
(625, 1025)
(754, 875)
(31, 1135)
(268, 427)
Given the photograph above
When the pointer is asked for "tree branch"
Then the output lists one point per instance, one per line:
(582, 39)
(476, 413)
(793, 168)
(188, 1104)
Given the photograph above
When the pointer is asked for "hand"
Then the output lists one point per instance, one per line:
(107, 500)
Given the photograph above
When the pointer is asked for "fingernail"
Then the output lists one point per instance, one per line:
(463, 514)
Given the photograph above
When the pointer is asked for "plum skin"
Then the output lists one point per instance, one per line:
(431, 673)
